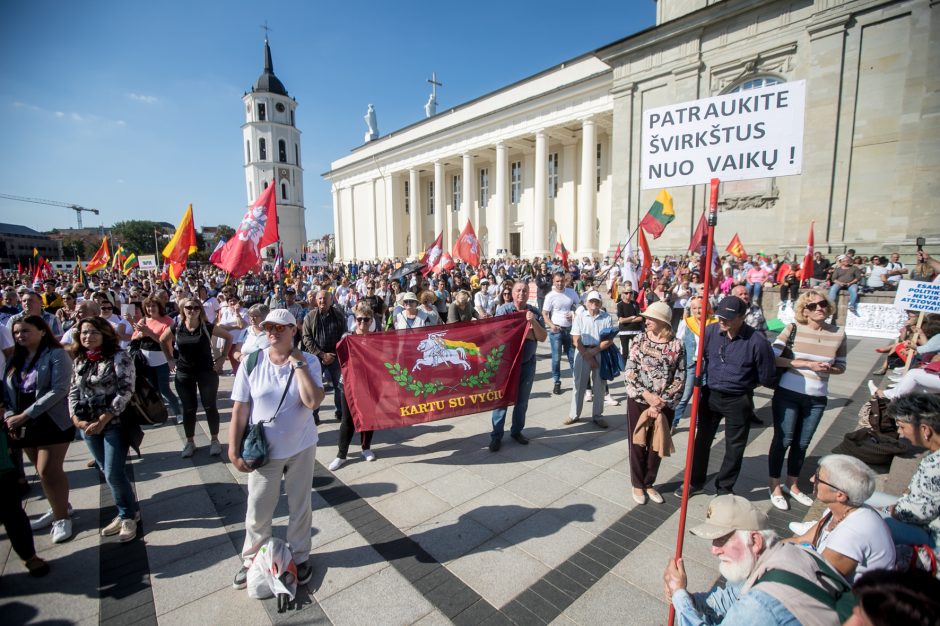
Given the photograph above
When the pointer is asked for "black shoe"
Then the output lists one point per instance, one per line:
(693, 491)
(241, 578)
(304, 573)
(520, 438)
(557, 389)
(755, 420)
(495, 445)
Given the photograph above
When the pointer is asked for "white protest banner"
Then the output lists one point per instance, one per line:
(147, 262)
(875, 320)
(914, 295)
(755, 133)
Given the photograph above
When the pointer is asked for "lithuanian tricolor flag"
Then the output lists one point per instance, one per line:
(659, 215)
(471, 349)
(130, 262)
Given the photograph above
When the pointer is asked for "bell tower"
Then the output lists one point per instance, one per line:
(271, 143)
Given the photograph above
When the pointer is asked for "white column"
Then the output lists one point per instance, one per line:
(587, 211)
(337, 224)
(413, 211)
(439, 208)
(466, 198)
(540, 207)
(498, 204)
(391, 222)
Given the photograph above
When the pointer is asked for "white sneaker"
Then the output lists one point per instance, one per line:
(368, 455)
(336, 464)
(179, 419)
(61, 530)
(589, 396)
(188, 450)
(128, 530)
(215, 448)
(45, 520)
(800, 528)
(609, 401)
(872, 387)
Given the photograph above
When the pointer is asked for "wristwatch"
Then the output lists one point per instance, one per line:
(299, 364)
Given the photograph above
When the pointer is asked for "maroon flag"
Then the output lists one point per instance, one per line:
(403, 377)
(467, 247)
(432, 254)
(806, 272)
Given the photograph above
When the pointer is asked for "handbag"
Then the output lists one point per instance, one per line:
(871, 447)
(254, 443)
(786, 353)
(145, 407)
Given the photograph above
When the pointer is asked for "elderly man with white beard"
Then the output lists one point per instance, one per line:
(769, 583)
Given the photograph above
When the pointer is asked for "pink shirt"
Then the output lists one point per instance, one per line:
(757, 275)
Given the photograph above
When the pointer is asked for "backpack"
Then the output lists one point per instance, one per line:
(835, 592)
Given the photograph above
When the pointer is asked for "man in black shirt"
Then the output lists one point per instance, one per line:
(323, 327)
(543, 284)
(737, 359)
(821, 267)
(628, 316)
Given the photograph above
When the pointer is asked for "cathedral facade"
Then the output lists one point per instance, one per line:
(556, 156)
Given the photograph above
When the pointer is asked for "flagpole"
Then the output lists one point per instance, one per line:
(603, 275)
(697, 390)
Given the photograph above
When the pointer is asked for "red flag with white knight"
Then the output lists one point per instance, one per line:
(467, 246)
(445, 264)
(257, 229)
(432, 254)
(409, 376)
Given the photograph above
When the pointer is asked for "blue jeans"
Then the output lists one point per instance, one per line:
(901, 532)
(796, 416)
(526, 378)
(332, 371)
(754, 290)
(110, 452)
(561, 341)
(686, 395)
(159, 377)
(853, 294)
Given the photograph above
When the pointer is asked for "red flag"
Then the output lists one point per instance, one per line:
(467, 246)
(561, 251)
(646, 262)
(257, 229)
(432, 254)
(19, 267)
(182, 244)
(736, 248)
(216, 257)
(807, 269)
(699, 242)
(410, 376)
(782, 272)
(445, 264)
(101, 258)
(700, 236)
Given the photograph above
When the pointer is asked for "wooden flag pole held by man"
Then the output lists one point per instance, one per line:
(697, 391)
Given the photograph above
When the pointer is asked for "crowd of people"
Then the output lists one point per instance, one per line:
(72, 351)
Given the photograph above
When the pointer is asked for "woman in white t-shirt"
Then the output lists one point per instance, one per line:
(279, 388)
(233, 319)
(851, 535)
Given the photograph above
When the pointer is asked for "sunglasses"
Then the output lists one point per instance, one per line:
(107, 308)
(812, 306)
(275, 328)
(190, 307)
(363, 320)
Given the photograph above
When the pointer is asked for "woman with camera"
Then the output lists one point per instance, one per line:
(276, 390)
(102, 385)
(36, 383)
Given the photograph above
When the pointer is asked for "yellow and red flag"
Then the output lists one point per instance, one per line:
(736, 248)
(101, 258)
(181, 246)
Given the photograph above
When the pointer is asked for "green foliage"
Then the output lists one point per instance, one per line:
(72, 248)
(137, 236)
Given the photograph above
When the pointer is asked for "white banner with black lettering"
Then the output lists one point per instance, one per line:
(754, 133)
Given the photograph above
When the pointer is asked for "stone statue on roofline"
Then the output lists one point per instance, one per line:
(373, 132)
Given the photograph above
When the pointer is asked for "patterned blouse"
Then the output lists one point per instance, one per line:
(655, 367)
(921, 504)
(106, 385)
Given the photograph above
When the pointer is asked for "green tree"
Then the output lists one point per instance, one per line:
(137, 236)
(225, 231)
(72, 248)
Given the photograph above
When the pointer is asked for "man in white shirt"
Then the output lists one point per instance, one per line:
(558, 312)
(896, 270)
(585, 332)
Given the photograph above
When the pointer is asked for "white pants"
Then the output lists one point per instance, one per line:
(915, 381)
(264, 489)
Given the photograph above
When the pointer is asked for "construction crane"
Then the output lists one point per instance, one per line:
(78, 209)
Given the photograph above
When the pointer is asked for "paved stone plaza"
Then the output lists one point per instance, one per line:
(437, 530)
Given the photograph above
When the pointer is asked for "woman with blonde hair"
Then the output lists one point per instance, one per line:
(818, 352)
(461, 309)
(198, 371)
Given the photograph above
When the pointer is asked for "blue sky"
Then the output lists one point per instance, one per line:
(134, 108)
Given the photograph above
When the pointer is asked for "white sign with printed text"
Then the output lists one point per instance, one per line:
(754, 133)
(915, 295)
(147, 262)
